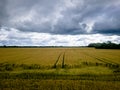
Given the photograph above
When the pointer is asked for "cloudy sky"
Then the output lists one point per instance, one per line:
(59, 22)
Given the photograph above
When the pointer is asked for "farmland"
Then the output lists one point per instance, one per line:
(59, 68)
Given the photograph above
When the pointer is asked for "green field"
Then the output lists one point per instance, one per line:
(59, 69)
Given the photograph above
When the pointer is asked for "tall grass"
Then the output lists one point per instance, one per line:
(25, 84)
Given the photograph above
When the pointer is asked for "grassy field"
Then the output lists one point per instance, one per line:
(59, 69)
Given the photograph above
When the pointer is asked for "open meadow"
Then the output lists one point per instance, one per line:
(59, 69)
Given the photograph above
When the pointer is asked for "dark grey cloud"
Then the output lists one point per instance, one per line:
(69, 17)
(3, 12)
(110, 24)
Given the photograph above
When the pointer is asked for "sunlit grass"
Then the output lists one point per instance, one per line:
(59, 69)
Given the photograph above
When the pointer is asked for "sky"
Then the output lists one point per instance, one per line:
(59, 22)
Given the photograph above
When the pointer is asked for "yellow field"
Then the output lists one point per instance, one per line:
(59, 69)
(48, 56)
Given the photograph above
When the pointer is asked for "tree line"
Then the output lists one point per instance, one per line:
(105, 45)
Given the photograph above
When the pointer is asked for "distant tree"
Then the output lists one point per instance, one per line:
(105, 45)
(4, 46)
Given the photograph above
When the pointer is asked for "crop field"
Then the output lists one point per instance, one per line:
(59, 69)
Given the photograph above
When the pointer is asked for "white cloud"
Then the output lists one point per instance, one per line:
(15, 37)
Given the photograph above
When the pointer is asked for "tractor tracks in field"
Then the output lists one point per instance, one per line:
(59, 59)
(101, 59)
(63, 61)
